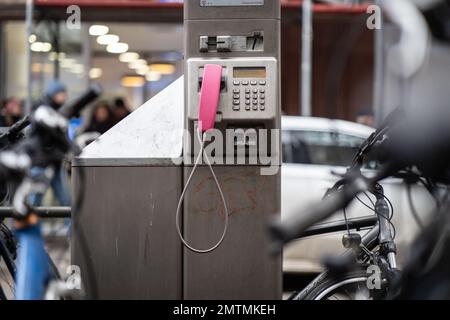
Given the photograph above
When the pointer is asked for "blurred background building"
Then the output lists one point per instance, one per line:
(151, 31)
(343, 52)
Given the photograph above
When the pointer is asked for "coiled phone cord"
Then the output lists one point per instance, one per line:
(180, 202)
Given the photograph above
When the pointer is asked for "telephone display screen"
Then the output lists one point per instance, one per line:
(249, 72)
(230, 3)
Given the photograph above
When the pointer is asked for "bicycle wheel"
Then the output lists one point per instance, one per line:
(346, 286)
(7, 266)
(7, 285)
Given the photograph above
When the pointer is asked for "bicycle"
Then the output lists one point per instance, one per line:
(368, 269)
(46, 147)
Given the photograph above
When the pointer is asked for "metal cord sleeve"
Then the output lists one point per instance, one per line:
(180, 202)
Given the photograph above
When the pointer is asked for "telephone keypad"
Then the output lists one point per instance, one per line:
(252, 98)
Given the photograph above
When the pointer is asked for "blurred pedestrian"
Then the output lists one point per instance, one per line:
(102, 119)
(365, 117)
(54, 97)
(120, 110)
(11, 112)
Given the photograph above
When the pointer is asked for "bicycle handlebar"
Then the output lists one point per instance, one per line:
(72, 109)
(13, 133)
(290, 229)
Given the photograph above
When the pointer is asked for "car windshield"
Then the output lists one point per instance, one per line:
(319, 147)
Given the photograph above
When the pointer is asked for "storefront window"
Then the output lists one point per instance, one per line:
(150, 59)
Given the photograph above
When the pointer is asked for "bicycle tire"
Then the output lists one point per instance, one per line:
(7, 282)
(327, 283)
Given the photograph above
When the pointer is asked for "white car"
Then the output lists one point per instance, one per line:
(314, 148)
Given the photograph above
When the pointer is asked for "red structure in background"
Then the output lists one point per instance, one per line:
(108, 3)
(286, 4)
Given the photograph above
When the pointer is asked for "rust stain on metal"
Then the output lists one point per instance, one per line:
(240, 192)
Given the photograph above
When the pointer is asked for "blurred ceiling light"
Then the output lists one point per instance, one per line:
(143, 70)
(153, 76)
(98, 30)
(53, 56)
(39, 67)
(32, 38)
(36, 67)
(47, 47)
(128, 57)
(108, 39)
(67, 63)
(133, 81)
(41, 47)
(119, 47)
(163, 68)
(77, 69)
(95, 73)
(136, 64)
(36, 46)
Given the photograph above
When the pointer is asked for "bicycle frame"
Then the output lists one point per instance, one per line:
(30, 278)
(33, 271)
(379, 235)
(341, 225)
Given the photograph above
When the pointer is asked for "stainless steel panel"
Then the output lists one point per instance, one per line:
(241, 268)
(128, 218)
(196, 28)
(270, 10)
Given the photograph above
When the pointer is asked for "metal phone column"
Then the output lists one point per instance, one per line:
(243, 37)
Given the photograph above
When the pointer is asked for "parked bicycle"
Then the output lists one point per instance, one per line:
(46, 146)
(368, 270)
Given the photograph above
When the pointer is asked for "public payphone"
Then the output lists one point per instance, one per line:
(242, 37)
(232, 54)
(229, 198)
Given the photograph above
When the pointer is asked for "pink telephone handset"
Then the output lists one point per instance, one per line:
(209, 96)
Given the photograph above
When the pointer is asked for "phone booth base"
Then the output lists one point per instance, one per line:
(134, 177)
(242, 267)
